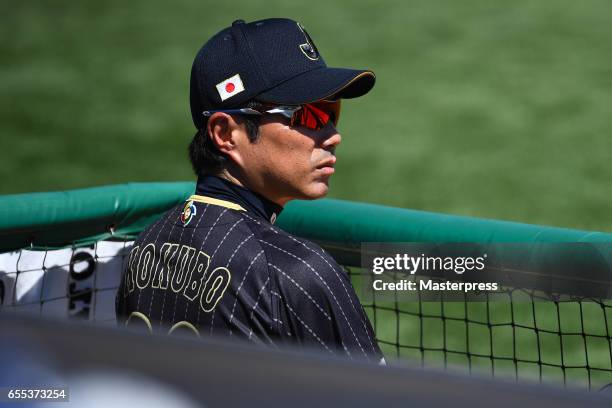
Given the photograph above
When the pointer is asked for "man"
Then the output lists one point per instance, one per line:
(265, 105)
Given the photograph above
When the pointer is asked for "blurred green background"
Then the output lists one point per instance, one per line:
(490, 109)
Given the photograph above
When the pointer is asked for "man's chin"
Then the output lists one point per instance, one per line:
(319, 190)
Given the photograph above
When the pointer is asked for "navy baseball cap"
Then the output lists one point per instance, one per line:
(273, 61)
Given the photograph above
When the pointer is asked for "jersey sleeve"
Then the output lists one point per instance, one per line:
(317, 305)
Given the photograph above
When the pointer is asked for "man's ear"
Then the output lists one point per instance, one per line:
(227, 135)
(220, 126)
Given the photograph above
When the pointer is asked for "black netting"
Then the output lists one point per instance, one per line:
(77, 282)
(523, 336)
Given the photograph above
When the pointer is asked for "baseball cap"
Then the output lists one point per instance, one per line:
(273, 61)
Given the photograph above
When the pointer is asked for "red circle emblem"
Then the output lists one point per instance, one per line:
(229, 87)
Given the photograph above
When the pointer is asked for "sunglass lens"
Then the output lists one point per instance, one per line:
(317, 115)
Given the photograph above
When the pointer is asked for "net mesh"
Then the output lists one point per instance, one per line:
(524, 337)
(558, 342)
(77, 282)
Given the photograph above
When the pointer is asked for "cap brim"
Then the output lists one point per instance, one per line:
(321, 83)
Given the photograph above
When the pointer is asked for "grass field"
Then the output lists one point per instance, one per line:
(491, 109)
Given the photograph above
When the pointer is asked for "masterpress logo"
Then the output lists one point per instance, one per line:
(429, 270)
(486, 271)
(408, 265)
(413, 264)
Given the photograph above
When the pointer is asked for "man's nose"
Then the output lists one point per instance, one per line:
(332, 140)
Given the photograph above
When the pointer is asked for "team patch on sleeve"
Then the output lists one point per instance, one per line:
(189, 211)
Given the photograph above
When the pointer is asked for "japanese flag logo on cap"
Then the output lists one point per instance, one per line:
(230, 87)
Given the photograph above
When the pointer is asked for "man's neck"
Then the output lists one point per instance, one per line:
(238, 179)
(223, 189)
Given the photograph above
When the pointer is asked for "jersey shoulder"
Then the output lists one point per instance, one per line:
(295, 257)
(193, 221)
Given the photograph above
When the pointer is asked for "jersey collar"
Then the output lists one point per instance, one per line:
(221, 189)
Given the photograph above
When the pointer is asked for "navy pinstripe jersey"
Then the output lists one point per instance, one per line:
(216, 265)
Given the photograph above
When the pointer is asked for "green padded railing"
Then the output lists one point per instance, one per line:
(56, 219)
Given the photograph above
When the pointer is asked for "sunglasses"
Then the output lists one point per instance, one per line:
(314, 116)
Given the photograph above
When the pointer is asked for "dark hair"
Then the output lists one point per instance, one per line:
(206, 158)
